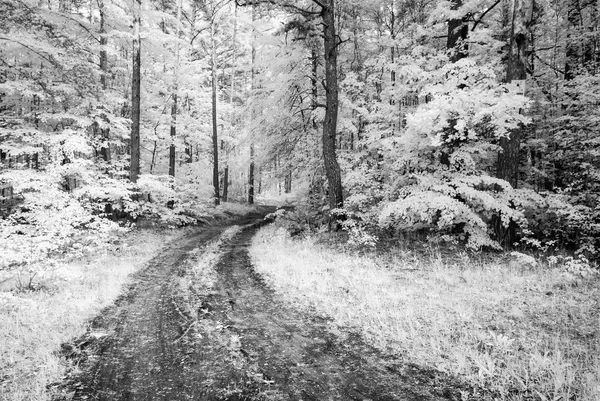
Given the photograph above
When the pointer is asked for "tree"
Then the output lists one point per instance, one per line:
(134, 169)
(458, 32)
(521, 17)
(215, 139)
(332, 168)
(326, 10)
(175, 95)
(252, 87)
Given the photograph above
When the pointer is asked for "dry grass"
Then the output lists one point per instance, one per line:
(528, 333)
(35, 323)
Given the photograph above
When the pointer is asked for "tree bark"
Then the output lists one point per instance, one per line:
(251, 177)
(253, 73)
(330, 40)
(153, 161)
(225, 183)
(215, 138)
(507, 167)
(288, 182)
(232, 89)
(259, 180)
(574, 45)
(332, 168)
(103, 43)
(104, 132)
(458, 32)
(134, 168)
(173, 130)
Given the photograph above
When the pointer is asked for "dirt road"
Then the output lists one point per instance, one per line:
(229, 338)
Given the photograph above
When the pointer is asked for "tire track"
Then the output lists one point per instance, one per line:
(176, 336)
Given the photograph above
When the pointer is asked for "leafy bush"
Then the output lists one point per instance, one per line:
(457, 205)
(298, 220)
(50, 221)
(554, 222)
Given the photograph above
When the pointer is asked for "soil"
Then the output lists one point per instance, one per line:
(234, 340)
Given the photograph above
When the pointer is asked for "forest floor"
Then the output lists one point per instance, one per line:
(198, 323)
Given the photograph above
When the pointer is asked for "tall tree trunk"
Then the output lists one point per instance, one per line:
(134, 168)
(507, 167)
(175, 96)
(215, 138)
(356, 64)
(103, 43)
(253, 73)
(232, 90)
(521, 15)
(332, 168)
(104, 132)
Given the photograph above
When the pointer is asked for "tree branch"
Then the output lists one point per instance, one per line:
(281, 4)
(49, 58)
(490, 8)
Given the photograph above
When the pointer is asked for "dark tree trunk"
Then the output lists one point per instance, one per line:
(105, 132)
(153, 161)
(456, 47)
(103, 43)
(458, 32)
(251, 182)
(175, 98)
(253, 73)
(215, 138)
(225, 183)
(189, 152)
(231, 92)
(288, 183)
(173, 134)
(332, 168)
(134, 169)
(507, 167)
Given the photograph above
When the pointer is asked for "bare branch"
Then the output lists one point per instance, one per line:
(42, 55)
(282, 4)
(490, 8)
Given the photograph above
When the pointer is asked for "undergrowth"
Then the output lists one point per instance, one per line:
(526, 329)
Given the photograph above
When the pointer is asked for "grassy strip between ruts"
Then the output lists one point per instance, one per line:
(527, 333)
(35, 323)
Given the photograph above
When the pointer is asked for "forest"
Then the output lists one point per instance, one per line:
(471, 127)
(469, 121)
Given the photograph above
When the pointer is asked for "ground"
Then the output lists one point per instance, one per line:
(199, 323)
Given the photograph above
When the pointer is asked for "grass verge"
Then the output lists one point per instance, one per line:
(66, 296)
(526, 332)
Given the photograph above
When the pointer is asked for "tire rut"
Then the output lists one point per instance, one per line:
(233, 341)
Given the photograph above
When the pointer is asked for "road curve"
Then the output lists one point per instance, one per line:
(234, 341)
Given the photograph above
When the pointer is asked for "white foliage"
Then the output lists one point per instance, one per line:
(446, 203)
